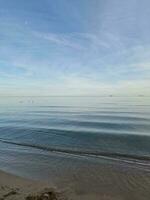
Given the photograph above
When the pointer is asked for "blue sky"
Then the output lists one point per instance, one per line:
(74, 47)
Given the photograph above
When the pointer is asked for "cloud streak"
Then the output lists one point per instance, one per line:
(80, 51)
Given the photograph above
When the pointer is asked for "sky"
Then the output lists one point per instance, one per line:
(74, 47)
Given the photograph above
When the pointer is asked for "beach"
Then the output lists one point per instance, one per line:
(16, 188)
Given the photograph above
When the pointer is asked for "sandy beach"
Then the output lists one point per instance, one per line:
(16, 188)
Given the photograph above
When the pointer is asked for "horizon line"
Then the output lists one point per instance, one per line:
(75, 95)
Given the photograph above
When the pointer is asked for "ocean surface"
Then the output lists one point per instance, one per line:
(80, 143)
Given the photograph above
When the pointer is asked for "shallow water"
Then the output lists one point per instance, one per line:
(81, 144)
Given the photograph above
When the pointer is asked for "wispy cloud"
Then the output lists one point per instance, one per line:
(60, 39)
(78, 51)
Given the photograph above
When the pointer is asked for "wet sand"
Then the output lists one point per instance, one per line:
(121, 185)
(16, 188)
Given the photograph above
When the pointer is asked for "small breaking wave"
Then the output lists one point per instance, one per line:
(128, 158)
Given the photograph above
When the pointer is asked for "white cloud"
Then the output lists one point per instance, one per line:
(60, 39)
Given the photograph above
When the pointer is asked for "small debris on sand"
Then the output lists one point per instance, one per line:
(45, 195)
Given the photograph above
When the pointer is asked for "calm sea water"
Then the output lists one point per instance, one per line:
(69, 139)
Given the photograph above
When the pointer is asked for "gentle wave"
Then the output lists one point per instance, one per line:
(116, 129)
(126, 157)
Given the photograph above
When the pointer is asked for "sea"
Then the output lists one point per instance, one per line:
(84, 145)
